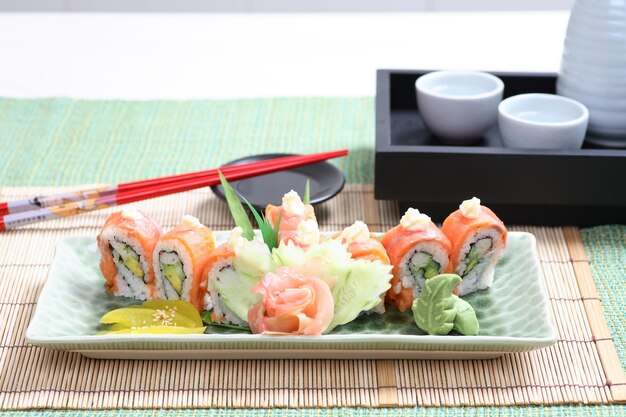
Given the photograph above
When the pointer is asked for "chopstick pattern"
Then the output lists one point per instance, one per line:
(42, 208)
(581, 368)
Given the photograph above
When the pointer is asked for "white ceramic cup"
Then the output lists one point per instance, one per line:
(542, 121)
(459, 107)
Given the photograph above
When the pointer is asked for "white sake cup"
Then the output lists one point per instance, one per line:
(542, 121)
(459, 107)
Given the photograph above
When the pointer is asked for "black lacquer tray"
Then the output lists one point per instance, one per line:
(582, 187)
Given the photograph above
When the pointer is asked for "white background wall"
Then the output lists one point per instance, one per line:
(279, 5)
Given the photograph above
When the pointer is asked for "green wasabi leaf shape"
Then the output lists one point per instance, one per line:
(307, 193)
(236, 209)
(465, 321)
(434, 310)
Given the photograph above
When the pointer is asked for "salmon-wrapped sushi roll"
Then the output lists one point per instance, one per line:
(179, 260)
(297, 220)
(126, 243)
(220, 269)
(362, 244)
(478, 239)
(418, 251)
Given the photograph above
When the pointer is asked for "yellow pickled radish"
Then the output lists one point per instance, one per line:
(154, 317)
(117, 326)
(147, 317)
(182, 307)
(157, 330)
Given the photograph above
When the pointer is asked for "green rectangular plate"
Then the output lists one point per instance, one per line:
(513, 316)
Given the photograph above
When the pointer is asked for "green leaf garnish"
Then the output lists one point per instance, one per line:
(269, 233)
(307, 193)
(236, 209)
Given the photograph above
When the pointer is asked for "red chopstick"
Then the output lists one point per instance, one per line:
(160, 187)
(39, 202)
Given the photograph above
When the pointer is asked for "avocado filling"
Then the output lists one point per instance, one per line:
(130, 258)
(422, 265)
(172, 268)
(477, 250)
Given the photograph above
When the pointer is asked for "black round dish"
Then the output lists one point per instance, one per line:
(325, 182)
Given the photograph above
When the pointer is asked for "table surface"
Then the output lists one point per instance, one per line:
(204, 56)
(222, 56)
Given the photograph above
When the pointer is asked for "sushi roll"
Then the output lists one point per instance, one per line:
(478, 238)
(297, 220)
(362, 244)
(126, 243)
(418, 251)
(179, 260)
(220, 268)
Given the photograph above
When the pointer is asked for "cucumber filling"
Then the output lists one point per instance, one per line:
(422, 265)
(172, 268)
(226, 277)
(478, 250)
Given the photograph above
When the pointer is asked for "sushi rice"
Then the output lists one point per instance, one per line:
(172, 268)
(133, 271)
(477, 260)
(422, 261)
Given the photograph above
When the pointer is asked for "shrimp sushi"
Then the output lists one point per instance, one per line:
(126, 243)
(418, 251)
(478, 239)
(297, 220)
(362, 244)
(179, 260)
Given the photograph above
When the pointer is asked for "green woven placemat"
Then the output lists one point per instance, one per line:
(606, 251)
(63, 141)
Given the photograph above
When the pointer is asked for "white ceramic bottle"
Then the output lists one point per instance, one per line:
(593, 68)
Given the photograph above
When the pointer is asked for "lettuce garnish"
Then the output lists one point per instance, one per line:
(252, 261)
(356, 285)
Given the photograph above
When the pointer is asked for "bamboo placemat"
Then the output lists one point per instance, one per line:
(583, 367)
